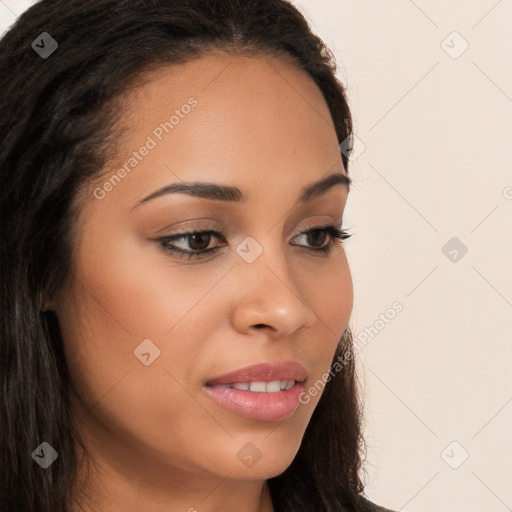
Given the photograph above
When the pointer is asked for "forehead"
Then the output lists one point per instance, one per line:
(234, 92)
(241, 120)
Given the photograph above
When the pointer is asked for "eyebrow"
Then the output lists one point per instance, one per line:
(217, 192)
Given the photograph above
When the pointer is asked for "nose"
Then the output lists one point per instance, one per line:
(266, 296)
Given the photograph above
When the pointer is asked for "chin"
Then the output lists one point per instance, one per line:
(260, 460)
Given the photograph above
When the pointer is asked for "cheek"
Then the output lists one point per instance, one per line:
(120, 299)
(329, 291)
(330, 295)
(135, 289)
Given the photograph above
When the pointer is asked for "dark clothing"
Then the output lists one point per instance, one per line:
(372, 507)
(310, 502)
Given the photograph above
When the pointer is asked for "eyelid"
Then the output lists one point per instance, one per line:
(190, 230)
(320, 225)
(183, 227)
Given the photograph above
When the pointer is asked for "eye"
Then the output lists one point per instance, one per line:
(316, 236)
(199, 241)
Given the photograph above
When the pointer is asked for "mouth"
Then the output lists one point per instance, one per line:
(263, 392)
(267, 373)
(259, 386)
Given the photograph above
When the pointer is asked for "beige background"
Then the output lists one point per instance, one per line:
(435, 131)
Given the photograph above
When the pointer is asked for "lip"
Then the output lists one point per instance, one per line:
(258, 406)
(261, 406)
(265, 372)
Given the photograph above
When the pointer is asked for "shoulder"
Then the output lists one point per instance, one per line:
(368, 506)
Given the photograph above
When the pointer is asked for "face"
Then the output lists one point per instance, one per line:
(145, 327)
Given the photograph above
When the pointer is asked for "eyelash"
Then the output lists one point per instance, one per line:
(334, 232)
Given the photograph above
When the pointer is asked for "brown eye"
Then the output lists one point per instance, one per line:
(317, 237)
(199, 241)
(195, 243)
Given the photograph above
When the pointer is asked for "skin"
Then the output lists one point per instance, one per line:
(158, 442)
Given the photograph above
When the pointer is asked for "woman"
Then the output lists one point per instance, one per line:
(175, 294)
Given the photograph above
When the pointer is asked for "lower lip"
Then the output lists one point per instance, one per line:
(256, 405)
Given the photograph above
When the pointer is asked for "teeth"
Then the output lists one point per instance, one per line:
(260, 386)
(272, 387)
(244, 386)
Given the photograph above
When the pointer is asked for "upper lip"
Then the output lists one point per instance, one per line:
(263, 372)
